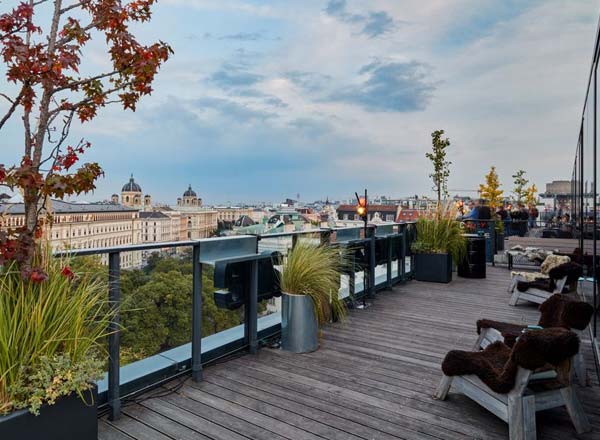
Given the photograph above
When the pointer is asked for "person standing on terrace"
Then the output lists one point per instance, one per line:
(473, 213)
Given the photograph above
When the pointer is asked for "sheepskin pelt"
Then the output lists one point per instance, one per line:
(565, 311)
(570, 270)
(528, 276)
(553, 261)
(497, 364)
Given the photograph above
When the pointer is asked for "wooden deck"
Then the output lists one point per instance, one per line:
(372, 378)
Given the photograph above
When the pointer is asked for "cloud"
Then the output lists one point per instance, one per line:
(241, 113)
(389, 87)
(231, 76)
(373, 23)
(310, 81)
(311, 127)
(244, 36)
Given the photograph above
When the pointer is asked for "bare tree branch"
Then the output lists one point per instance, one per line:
(12, 108)
(86, 81)
(88, 100)
(73, 6)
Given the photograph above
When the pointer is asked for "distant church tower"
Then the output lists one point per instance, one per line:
(114, 199)
(131, 194)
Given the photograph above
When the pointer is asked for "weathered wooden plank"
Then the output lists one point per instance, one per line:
(137, 429)
(109, 432)
(165, 424)
(221, 418)
(373, 377)
(249, 415)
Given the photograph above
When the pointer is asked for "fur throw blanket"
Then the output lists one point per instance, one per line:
(566, 312)
(570, 270)
(557, 311)
(549, 263)
(553, 261)
(497, 365)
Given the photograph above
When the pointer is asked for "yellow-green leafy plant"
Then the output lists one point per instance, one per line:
(438, 232)
(315, 270)
(52, 333)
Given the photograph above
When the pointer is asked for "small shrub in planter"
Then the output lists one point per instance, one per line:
(52, 333)
(439, 241)
(310, 282)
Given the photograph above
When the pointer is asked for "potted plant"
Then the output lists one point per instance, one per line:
(439, 241)
(310, 281)
(52, 330)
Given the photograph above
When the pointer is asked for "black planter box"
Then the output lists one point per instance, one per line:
(68, 418)
(435, 268)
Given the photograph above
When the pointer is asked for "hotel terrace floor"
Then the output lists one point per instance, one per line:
(372, 378)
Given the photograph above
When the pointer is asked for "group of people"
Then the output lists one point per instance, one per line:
(517, 219)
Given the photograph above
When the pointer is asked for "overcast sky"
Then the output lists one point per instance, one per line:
(266, 99)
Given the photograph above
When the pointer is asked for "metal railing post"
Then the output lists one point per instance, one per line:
(114, 364)
(371, 263)
(325, 236)
(252, 314)
(402, 259)
(196, 315)
(389, 263)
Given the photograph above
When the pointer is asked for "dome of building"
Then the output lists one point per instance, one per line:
(190, 192)
(131, 186)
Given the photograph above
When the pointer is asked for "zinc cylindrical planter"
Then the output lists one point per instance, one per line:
(299, 329)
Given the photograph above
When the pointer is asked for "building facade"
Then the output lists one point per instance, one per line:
(85, 226)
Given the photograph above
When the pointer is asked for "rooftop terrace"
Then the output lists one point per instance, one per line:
(372, 378)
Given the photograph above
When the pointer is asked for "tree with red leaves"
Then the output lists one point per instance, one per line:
(43, 71)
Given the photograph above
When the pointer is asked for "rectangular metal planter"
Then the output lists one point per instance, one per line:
(68, 418)
(433, 268)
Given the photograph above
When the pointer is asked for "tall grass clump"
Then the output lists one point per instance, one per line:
(438, 232)
(52, 334)
(315, 270)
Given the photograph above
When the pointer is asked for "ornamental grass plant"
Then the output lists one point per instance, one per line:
(52, 333)
(438, 232)
(315, 270)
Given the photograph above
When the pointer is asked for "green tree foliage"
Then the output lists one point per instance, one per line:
(520, 181)
(157, 306)
(441, 167)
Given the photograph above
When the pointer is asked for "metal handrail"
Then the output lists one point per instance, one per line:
(114, 291)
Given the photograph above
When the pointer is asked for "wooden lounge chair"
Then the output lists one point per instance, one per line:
(558, 311)
(540, 290)
(513, 384)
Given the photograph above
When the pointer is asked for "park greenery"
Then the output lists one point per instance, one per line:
(157, 302)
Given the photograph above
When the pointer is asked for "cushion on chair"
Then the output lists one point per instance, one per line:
(497, 364)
